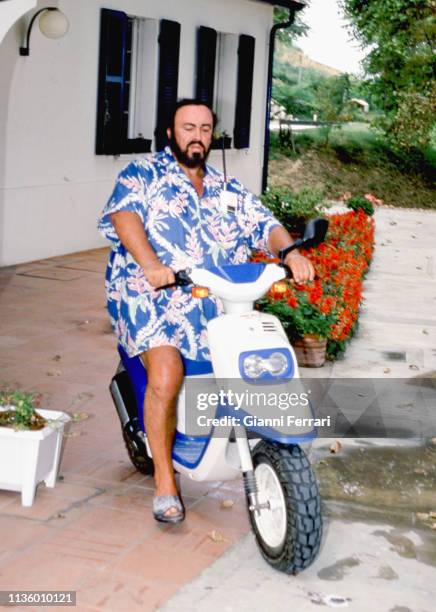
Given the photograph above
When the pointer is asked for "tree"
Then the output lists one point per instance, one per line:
(331, 97)
(401, 37)
(298, 28)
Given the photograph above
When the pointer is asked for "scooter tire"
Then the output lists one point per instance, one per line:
(303, 532)
(138, 456)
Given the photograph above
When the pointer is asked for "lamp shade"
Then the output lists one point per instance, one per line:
(53, 24)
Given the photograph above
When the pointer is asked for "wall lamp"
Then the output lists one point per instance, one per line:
(52, 24)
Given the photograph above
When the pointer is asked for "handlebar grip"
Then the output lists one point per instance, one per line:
(181, 280)
(287, 268)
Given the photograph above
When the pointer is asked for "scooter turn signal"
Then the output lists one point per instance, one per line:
(279, 289)
(200, 292)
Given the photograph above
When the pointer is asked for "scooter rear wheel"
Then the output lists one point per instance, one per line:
(289, 531)
(138, 455)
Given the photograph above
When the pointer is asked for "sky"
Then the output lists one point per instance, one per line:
(328, 41)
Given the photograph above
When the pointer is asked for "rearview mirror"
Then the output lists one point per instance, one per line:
(314, 233)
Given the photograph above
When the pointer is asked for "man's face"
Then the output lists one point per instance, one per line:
(192, 137)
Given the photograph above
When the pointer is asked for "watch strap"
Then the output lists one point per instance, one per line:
(285, 251)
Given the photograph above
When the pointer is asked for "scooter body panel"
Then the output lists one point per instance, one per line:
(258, 333)
(219, 460)
(251, 331)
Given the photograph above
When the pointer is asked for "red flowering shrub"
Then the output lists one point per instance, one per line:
(329, 306)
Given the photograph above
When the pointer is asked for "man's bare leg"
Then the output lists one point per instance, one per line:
(165, 377)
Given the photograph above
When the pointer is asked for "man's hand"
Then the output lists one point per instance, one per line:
(157, 274)
(131, 232)
(301, 267)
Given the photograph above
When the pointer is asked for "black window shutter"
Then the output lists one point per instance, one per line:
(169, 47)
(206, 57)
(244, 92)
(110, 104)
(113, 87)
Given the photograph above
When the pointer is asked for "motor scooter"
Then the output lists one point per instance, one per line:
(248, 348)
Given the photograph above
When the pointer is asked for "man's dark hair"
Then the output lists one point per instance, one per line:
(189, 102)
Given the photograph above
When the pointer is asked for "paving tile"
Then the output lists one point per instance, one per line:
(70, 491)
(6, 498)
(105, 469)
(209, 511)
(153, 562)
(92, 549)
(135, 500)
(119, 527)
(48, 502)
(41, 570)
(108, 590)
(198, 537)
(17, 534)
(86, 265)
(50, 272)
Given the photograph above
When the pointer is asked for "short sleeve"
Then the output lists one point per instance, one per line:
(256, 220)
(129, 194)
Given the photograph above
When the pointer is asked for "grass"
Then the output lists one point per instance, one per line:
(354, 158)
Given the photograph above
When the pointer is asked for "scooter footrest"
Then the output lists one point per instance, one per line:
(188, 450)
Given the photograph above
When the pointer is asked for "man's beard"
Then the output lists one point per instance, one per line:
(196, 160)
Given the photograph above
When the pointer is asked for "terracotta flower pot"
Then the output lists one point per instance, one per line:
(310, 351)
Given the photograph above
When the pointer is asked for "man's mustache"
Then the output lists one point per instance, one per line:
(196, 142)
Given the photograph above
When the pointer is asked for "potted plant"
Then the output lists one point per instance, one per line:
(30, 444)
(307, 315)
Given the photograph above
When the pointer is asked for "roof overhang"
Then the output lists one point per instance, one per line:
(289, 4)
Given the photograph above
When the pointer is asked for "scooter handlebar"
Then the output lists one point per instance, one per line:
(181, 280)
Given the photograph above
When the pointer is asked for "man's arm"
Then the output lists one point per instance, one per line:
(301, 268)
(130, 231)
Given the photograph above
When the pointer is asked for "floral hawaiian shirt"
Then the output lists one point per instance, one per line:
(185, 231)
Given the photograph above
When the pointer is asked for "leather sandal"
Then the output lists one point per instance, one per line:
(163, 503)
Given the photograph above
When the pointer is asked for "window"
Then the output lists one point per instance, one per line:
(225, 82)
(225, 64)
(143, 70)
(132, 100)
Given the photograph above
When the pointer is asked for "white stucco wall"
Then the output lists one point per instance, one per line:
(11, 11)
(52, 185)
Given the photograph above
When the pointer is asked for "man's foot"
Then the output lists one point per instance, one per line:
(168, 509)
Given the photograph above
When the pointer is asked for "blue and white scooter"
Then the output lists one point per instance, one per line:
(248, 347)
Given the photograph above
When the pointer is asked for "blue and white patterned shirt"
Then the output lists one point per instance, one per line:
(185, 231)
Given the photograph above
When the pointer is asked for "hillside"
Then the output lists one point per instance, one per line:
(355, 161)
(296, 58)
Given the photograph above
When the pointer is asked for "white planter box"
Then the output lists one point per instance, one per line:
(30, 457)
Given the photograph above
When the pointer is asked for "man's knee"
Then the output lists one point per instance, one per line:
(164, 371)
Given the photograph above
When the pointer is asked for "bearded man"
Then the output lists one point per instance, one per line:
(166, 214)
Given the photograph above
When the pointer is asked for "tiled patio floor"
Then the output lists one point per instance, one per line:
(93, 532)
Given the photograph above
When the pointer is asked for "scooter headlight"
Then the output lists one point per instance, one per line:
(275, 364)
(253, 366)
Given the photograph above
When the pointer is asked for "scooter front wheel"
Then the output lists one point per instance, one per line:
(288, 527)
